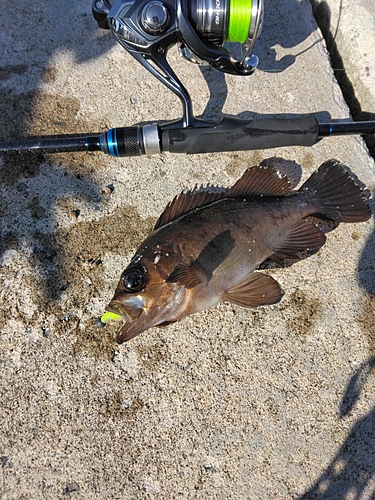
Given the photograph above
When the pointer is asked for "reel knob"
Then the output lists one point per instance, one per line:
(155, 18)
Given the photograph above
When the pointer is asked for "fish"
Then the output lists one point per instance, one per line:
(208, 244)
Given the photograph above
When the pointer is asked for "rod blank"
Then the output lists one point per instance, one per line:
(57, 144)
(346, 128)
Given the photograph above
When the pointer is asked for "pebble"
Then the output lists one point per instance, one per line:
(74, 214)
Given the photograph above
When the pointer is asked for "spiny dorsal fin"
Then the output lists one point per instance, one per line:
(256, 181)
(186, 201)
(261, 181)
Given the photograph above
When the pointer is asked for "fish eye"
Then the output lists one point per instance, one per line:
(134, 279)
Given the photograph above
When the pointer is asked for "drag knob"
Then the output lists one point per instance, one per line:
(155, 18)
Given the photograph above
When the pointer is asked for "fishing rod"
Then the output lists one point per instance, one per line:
(230, 134)
(147, 29)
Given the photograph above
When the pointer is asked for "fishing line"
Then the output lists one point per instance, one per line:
(240, 13)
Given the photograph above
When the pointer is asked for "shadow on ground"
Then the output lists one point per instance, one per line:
(353, 467)
(276, 32)
(27, 110)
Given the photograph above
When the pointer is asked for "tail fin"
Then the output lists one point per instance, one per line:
(340, 198)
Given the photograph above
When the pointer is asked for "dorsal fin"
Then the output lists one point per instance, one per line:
(256, 181)
(186, 201)
(261, 181)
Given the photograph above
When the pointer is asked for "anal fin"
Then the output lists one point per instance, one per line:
(299, 241)
(255, 290)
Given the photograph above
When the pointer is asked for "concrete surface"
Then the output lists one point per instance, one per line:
(230, 403)
(350, 30)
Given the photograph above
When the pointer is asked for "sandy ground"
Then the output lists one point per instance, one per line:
(230, 403)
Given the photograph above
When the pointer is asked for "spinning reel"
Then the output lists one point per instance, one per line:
(147, 29)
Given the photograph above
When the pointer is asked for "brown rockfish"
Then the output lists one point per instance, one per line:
(208, 242)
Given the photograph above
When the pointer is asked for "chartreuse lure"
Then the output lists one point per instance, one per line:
(107, 316)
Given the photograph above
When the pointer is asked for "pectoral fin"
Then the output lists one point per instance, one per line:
(189, 275)
(255, 290)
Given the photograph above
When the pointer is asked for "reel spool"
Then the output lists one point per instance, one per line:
(220, 21)
(147, 29)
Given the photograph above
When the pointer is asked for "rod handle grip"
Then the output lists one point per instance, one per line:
(234, 134)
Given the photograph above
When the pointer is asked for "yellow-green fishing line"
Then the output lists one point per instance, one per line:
(239, 20)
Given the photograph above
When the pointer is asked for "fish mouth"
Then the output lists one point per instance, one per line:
(129, 330)
(134, 315)
(138, 316)
(129, 309)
